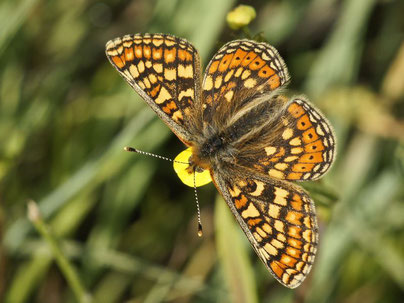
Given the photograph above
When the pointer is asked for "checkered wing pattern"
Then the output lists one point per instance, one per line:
(241, 68)
(278, 219)
(165, 71)
(300, 145)
(243, 132)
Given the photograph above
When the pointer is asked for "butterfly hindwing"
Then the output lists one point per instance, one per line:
(165, 71)
(278, 219)
(301, 145)
(241, 67)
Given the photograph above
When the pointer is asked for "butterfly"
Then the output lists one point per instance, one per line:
(239, 127)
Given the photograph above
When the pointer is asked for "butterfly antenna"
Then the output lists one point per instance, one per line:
(200, 232)
(135, 150)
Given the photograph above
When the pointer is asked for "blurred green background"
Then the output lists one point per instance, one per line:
(125, 222)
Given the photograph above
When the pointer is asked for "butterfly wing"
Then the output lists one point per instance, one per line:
(284, 139)
(278, 219)
(165, 71)
(241, 68)
(298, 144)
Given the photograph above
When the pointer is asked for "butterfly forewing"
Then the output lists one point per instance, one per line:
(165, 71)
(278, 219)
(241, 67)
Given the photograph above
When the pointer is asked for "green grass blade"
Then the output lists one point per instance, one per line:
(234, 256)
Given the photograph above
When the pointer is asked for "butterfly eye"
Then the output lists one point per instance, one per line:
(199, 169)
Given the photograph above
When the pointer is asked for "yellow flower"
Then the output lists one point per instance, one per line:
(186, 174)
(241, 16)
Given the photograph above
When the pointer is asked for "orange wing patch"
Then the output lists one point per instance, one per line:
(163, 69)
(280, 223)
(251, 67)
(304, 147)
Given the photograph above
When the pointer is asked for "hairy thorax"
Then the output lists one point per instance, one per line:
(213, 152)
(221, 140)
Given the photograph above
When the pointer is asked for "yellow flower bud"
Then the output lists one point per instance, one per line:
(241, 16)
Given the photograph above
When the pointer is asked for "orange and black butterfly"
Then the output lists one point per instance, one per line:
(251, 139)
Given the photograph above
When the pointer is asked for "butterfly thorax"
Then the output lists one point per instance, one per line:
(211, 152)
(223, 138)
(212, 146)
